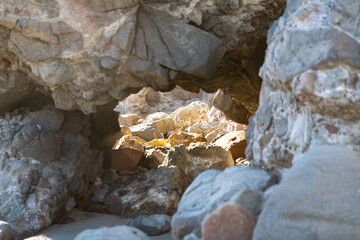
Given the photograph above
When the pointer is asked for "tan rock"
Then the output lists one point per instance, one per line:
(124, 122)
(130, 142)
(230, 221)
(162, 121)
(185, 138)
(154, 157)
(132, 118)
(235, 142)
(201, 128)
(196, 112)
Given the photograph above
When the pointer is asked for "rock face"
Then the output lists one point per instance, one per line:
(310, 93)
(117, 232)
(87, 53)
(152, 225)
(216, 187)
(43, 163)
(323, 206)
(234, 142)
(5, 231)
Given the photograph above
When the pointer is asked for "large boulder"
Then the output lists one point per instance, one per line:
(310, 93)
(211, 189)
(317, 198)
(42, 167)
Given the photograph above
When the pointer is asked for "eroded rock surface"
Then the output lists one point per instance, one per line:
(44, 164)
(310, 94)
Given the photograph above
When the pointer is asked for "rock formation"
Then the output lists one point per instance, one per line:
(310, 94)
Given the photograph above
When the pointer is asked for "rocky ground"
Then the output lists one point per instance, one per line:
(255, 134)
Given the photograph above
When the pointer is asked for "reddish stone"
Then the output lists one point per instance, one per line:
(123, 159)
(229, 222)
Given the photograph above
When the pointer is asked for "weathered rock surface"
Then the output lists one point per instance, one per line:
(155, 192)
(323, 206)
(184, 138)
(147, 132)
(235, 142)
(310, 94)
(117, 232)
(42, 165)
(193, 160)
(196, 112)
(162, 121)
(229, 221)
(217, 187)
(122, 159)
(152, 225)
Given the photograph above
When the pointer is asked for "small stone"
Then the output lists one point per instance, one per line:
(152, 225)
(114, 205)
(185, 138)
(122, 159)
(230, 221)
(235, 142)
(109, 176)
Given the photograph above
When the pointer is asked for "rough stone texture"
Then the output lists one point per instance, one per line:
(216, 187)
(152, 225)
(42, 165)
(196, 112)
(230, 221)
(117, 232)
(234, 142)
(154, 157)
(6, 231)
(162, 121)
(155, 192)
(147, 132)
(195, 159)
(183, 138)
(149, 101)
(310, 94)
(324, 206)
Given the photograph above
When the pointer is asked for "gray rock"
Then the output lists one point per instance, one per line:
(152, 225)
(310, 93)
(216, 187)
(108, 62)
(323, 206)
(117, 232)
(249, 199)
(109, 176)
(39, 176)
(5, 231)
(146, 132)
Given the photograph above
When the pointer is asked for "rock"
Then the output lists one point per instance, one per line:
(152, 225)
(154, 157)
(155, 192)
(6, 232)
(157, 143)
(235, 142)
(100, 195)
(196, 112)
(117, 232)
(184, 138)
(323, 206)
(196, 159)
(319, 100)
(132, 118)
(249, 199)
(230, 108)
(109, 176)
(200, 128)
(41, 170)
(40, 237)
(130, 142)
(122, 159)
(162, 121)
(229, 221)
(146, 132)
(217, 187)
(148, 101)
(124, 122)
